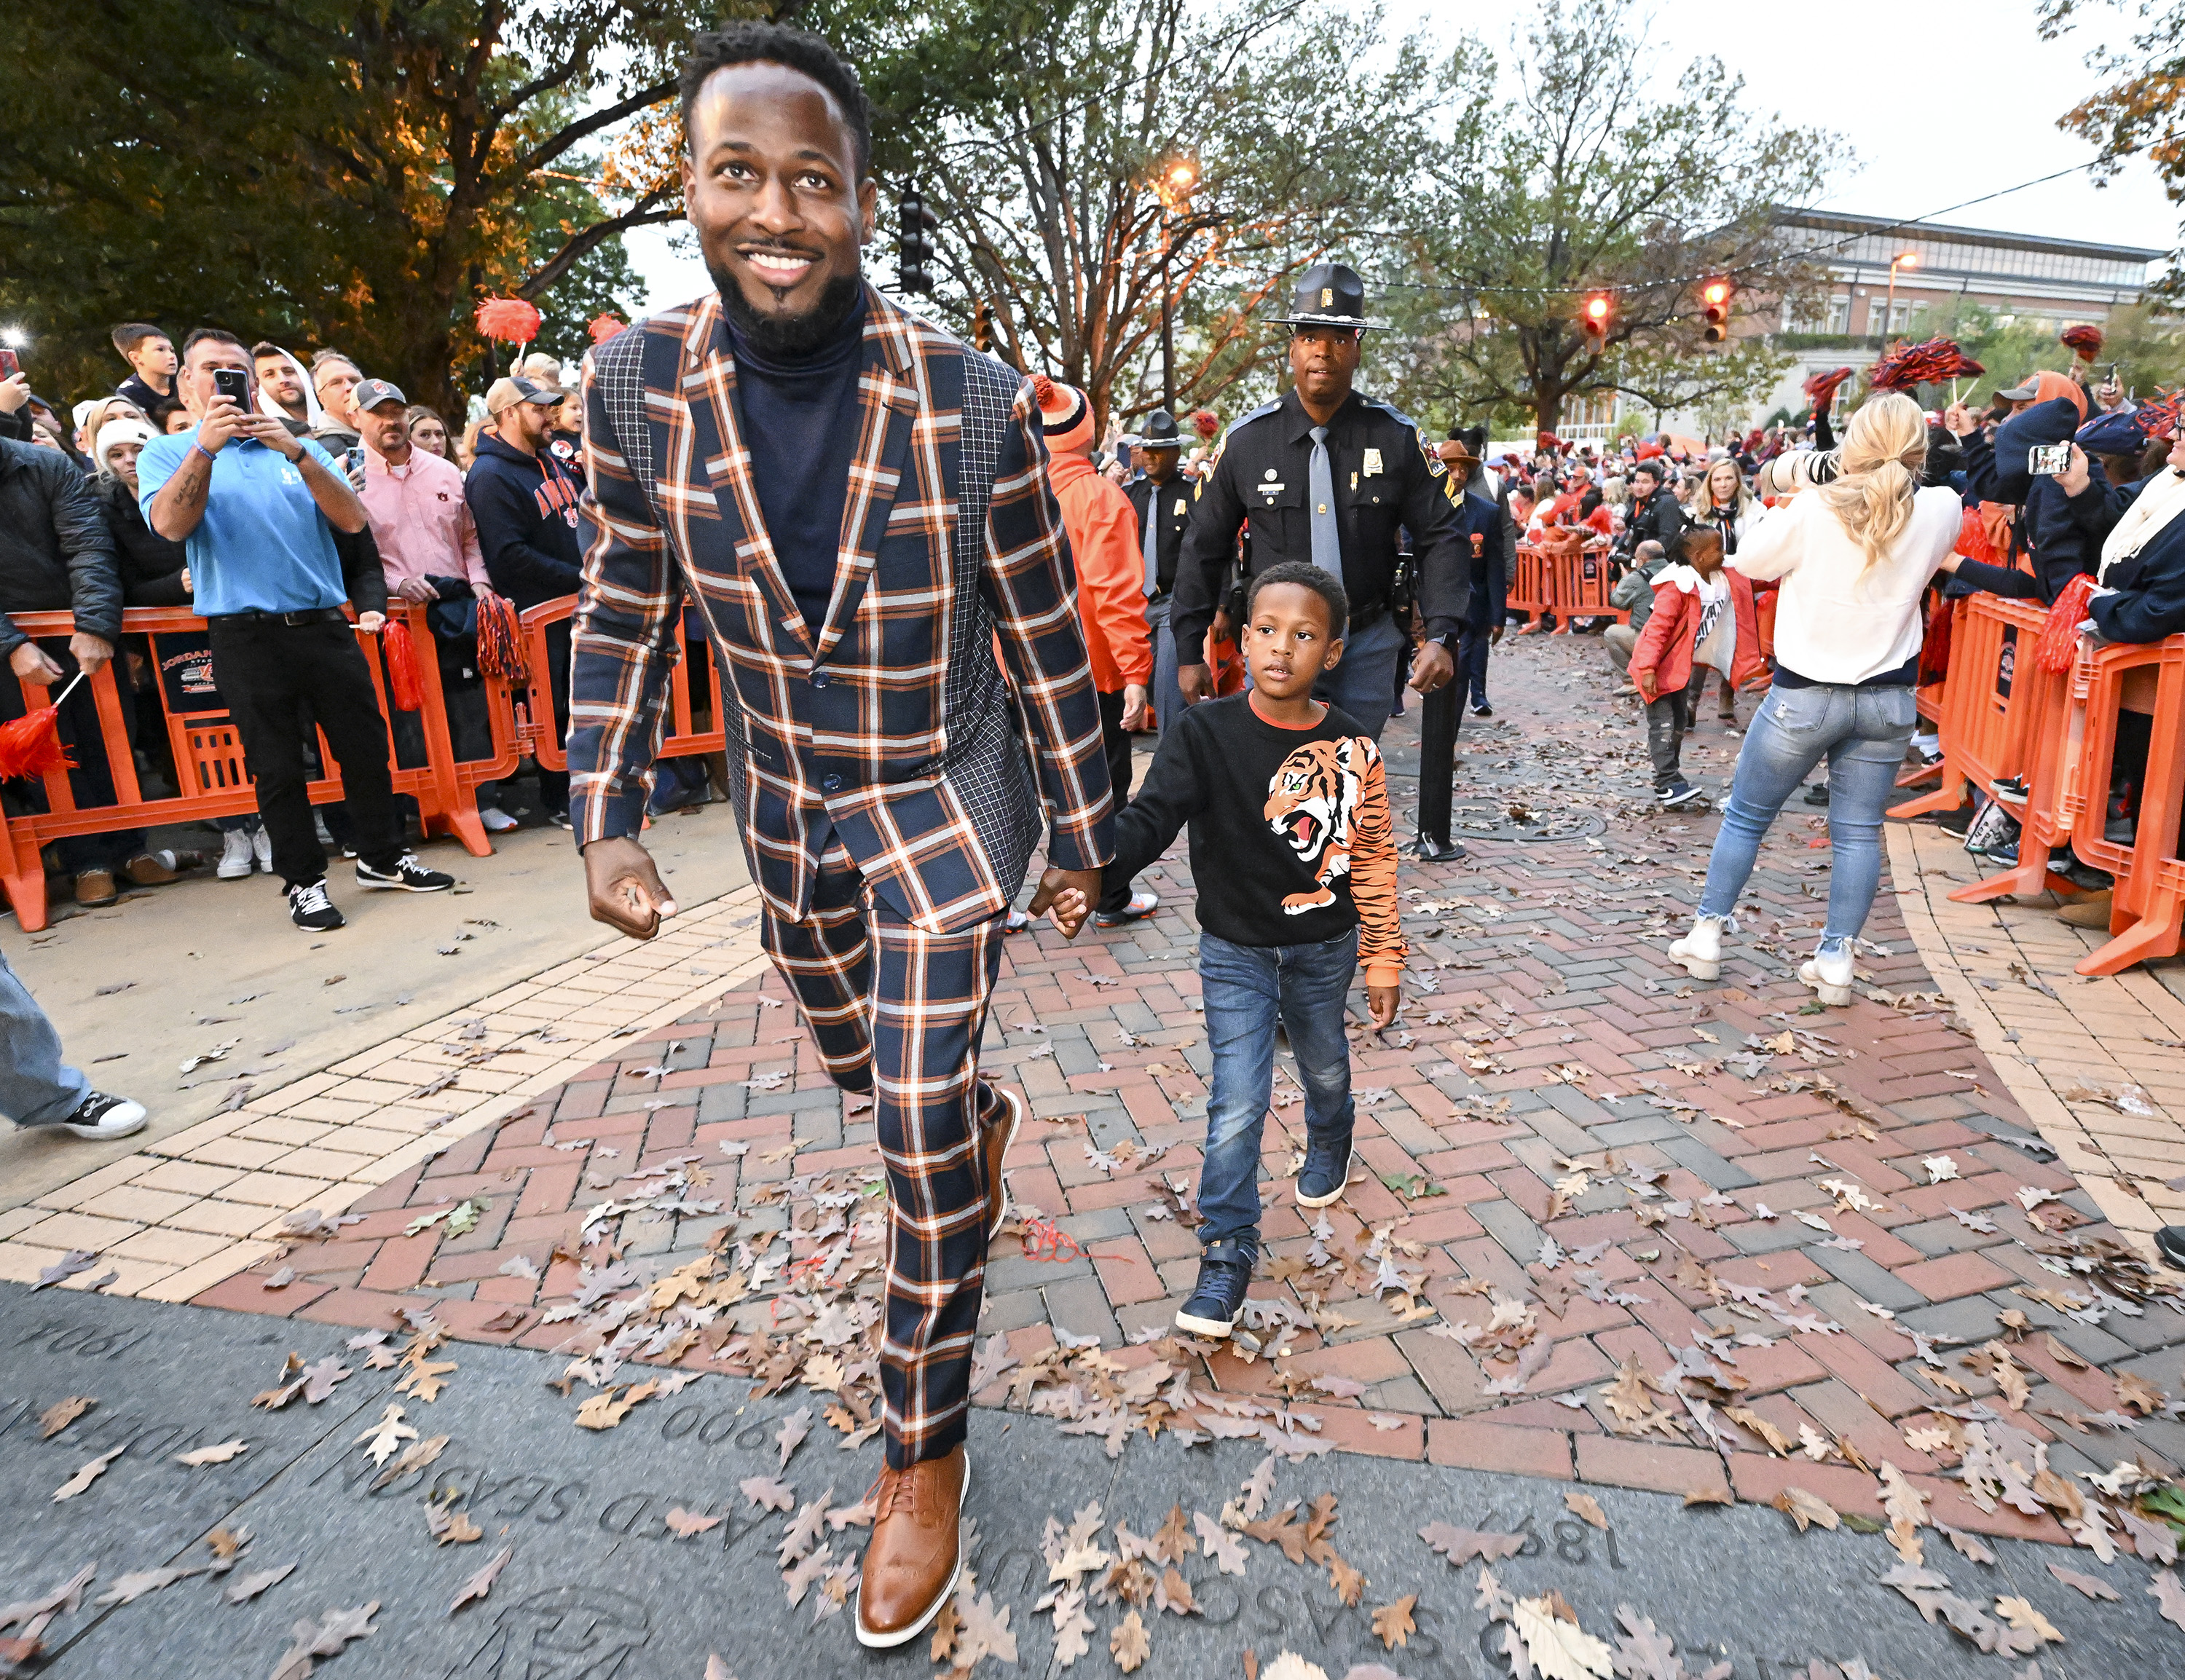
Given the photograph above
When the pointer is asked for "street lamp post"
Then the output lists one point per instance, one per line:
(1902, 260)
(1175, 187)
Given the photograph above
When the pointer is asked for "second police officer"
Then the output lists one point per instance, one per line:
(1326, 476)
(1161, 498)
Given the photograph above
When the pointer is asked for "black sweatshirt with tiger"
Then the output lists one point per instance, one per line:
(1291, 842)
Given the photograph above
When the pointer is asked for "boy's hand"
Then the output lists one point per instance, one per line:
(1381, 1002)
(1066, 893)
(1645, 681)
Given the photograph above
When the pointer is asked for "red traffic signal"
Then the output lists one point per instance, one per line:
(1714, 302)
(1594, 317)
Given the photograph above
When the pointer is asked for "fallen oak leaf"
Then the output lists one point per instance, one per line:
(449, 1527)
(1393, 1625)
(687, 1523)
(1129, 1645)
(481, 1583)
(252, 1585)
(1560, 1650)
(770, 1493)
(1804, 1509)
(2083, 1583)
(87, 1475)
(386, 1435)
(1586, 1508)
(1223, 1548)
(604, 1409)
(129, 1588)
(2021, 1616)
(206, 1455)
(1461, 1545)
(411, 1458)
(790, 1435)
(61, 1414)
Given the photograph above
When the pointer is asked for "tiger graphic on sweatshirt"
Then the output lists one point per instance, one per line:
(1329, 800)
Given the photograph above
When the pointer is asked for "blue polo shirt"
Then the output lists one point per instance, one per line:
(263, 545)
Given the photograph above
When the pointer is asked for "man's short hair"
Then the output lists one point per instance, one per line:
(209, 335)
(756, 43)
(1647, 550)
(131, 333)
(1325, 585)
(1653, 469)
(326, 357)
(264, 348)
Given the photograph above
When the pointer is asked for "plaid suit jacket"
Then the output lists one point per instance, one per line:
(889, 726)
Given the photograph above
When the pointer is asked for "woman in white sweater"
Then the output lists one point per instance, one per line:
(1854, 557)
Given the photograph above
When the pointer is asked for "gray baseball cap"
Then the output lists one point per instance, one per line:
(371, 393)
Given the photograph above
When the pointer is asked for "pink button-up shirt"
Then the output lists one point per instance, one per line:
(420, 520)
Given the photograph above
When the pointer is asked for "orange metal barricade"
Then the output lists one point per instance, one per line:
(541, 735)
(1987, 708)
(207, 753)
(1530, 584)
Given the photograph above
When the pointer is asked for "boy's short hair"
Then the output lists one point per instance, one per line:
(131, 333)
(1325, 585)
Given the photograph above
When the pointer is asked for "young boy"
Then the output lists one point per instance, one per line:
(151, 360)
(1295, 854)
(1691, 630)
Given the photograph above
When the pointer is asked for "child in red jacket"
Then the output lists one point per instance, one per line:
(1703, 619)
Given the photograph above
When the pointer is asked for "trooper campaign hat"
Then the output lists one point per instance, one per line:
(1328, 294)
(1160, 433)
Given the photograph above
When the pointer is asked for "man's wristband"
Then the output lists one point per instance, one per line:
(204, 451)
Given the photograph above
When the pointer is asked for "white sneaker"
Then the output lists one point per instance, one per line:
(497, 821)
(1829, 975)
(235, 855)
(1699, 952)
(100, 1116)
(261, 846)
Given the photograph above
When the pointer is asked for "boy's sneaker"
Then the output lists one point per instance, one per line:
(99, 1117)
(1212, 1310)
(1326, 1171)
(1143, 902)
(236, 859)
(408, 875)
(1676, 793)
(310, 909)
(495, 820)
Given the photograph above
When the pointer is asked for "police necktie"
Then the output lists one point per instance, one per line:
(1319, 491)
(1152, 543)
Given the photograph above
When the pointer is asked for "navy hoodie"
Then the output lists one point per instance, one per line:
(525, 508)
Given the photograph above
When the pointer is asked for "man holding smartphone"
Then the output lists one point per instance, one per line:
(257, 509)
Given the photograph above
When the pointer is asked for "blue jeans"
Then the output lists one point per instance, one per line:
(36, 1087)
(1365, 683)
(1862, 734)
(1246, 988)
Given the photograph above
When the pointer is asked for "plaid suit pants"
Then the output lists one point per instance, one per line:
(900, 1012)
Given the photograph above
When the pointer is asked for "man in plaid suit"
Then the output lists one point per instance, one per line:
(858, 505)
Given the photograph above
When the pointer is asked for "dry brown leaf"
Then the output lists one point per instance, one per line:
(1172, 1541)
(770, 1495)
(946, 1626)
(62, 1412)
(1586, 1508)
(1461, 1545)
(2136, 1393)
(2025, 1619)
(481, 1583)
(1392, 1623)
(206, 1455)
(2169, 1597)
(1223, 1548)
(2083, 1583)
(1746, 1418)
(1348, 1584)
(1282, 1529)
(1803, 1507)
(1906, 1507)
(1708, 1496)
(1560, 1650)
(2063, 1355)
(1173, 1593)
(449, 1527)
(1289, 1665)
(604, 1410)
(250, 1586)
(88, 1474)
(686, 1523)
(1129, 1645)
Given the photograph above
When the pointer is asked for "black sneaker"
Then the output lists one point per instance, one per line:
(2169, 1243)
(1481, 709)
(408, 875)
(99, 1117)
(310, 909)
(1327, 1169)
(1213, 1307)
(1431, 850)
(2012, 790)
(1676, 794)
(1818, 794)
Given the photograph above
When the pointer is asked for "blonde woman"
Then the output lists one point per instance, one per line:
(1723, 501)
(1854, 557)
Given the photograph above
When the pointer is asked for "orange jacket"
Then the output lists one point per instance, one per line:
(1111, 572)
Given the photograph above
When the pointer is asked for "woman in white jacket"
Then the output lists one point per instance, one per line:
(1854, 555)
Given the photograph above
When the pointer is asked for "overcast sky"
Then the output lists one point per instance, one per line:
(1843, 67)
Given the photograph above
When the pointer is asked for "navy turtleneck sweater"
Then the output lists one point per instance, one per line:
(800, 422)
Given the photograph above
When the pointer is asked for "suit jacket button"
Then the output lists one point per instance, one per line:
(832, 784)
(820, 679)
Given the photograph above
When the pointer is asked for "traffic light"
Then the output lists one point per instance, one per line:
(916, 224)
(1714, 301)
(1593, 318)
(982, 325)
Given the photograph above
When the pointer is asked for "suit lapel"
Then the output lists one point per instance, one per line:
(887, 407)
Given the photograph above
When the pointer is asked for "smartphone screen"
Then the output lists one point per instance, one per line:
(2049, 459)
(233, 384)
(10, 363)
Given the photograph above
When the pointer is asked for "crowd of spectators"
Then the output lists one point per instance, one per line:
(264, 494)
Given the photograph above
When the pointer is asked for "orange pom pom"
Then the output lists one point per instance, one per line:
(508, 318)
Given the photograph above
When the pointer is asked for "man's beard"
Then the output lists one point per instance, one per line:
(792, 338)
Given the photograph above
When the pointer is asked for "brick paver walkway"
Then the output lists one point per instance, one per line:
(1613, 1226)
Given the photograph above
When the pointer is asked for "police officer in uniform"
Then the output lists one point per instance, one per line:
(1486, 539)
(1330, 477)
(1162, 501)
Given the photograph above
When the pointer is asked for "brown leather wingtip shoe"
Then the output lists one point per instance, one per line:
(912, 1565)
(999, 1137)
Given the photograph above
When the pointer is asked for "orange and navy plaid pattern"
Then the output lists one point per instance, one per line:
(889, 726)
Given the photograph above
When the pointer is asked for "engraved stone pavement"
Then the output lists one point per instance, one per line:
(1664, 1246)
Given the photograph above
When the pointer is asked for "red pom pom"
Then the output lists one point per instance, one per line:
(1973, 541)
(2085, 340)
(30, 746)
(1042, 389)
(2158, 419)
(500, 639)
(402, 684)
(2060, 635)
(1821, 387)
(508, 318)
(604, 326)
(1927, 364)
(1205, 423)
